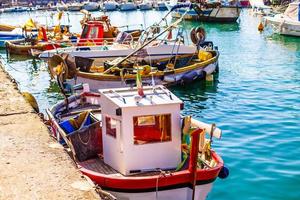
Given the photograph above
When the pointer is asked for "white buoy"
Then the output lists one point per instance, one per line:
(217, 133)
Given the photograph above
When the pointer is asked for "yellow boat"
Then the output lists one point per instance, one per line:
(184, 70)
(5, 27)
(23, 47)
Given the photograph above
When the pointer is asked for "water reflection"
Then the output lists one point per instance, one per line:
(197, 95)
(210, 26)
(289, 42)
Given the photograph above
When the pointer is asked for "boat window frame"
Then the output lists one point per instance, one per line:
(151, 125)
(112, 132)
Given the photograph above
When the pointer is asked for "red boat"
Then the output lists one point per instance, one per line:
(95, 32)
(138, 147)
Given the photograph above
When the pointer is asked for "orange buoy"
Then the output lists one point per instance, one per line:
(260, 27)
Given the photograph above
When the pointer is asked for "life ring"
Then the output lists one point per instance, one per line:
(63, 65)
(57, 66)
(198, 35)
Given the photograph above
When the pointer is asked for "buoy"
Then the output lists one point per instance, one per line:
(260, 27)
(224, 173)
(31, 100)
(209, 77)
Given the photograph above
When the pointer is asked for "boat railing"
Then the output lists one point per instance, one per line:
(131, 25)
(88, 42)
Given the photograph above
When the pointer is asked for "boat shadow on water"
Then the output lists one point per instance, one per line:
(289, 42)
(211, 27)
(197, 91)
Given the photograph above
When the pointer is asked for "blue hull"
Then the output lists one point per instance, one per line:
(3, 39)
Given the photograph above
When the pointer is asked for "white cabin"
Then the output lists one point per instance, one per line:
(141, 134)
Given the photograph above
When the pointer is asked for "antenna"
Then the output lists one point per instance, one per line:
(114, 92)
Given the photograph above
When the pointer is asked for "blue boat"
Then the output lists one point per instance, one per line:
(127, 6)
(9, 35)
(110, 6)
(214, 12)
(145, 6)
(16, 9)
(161, 6)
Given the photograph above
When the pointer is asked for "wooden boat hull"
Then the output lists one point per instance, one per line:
(3, 40)
(5, 27)
(15, 47)
(19, 47)
(178, 76)
(220, 15)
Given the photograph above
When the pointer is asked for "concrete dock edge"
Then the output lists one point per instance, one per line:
(31, 165)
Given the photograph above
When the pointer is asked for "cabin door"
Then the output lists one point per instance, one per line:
(119, 136)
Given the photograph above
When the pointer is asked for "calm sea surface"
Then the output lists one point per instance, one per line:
(255, 101)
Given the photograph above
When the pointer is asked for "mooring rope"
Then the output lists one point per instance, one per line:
(9, 65)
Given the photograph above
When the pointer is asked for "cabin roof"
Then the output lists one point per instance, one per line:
(128, 97)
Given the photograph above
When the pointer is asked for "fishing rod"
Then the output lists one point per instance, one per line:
(190, 6)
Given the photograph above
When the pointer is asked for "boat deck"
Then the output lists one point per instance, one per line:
(98, 165)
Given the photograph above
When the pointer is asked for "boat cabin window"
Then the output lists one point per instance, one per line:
(85, 31)
(94, 32)
(111, 127)
(152, 128)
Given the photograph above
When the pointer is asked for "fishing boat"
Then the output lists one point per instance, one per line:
(175, 70)
(163, 62)
(61, 6)
(114, 134)
(259, 8)
(90, 6)
(110, 6)
(160, 6)
(94, 32)
(89, 44)
(210, 12)
(26, 45)
(6, 27)
(15, 9)
(145, 6)
(127, 6)
(287, 23)
(16, 33)
(125, 45)
(75, 6)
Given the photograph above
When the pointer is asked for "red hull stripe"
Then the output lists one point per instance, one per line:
(145, 183)
(170, 187)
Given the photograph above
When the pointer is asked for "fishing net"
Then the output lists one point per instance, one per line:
(85, 135)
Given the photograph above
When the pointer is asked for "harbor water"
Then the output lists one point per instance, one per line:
(255, 100)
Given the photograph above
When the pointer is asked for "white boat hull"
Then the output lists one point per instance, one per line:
(101, 53)
(127, 7)
(91, 6)
(223, 14)
(283, 26)
(110, 6)
(180, 194)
